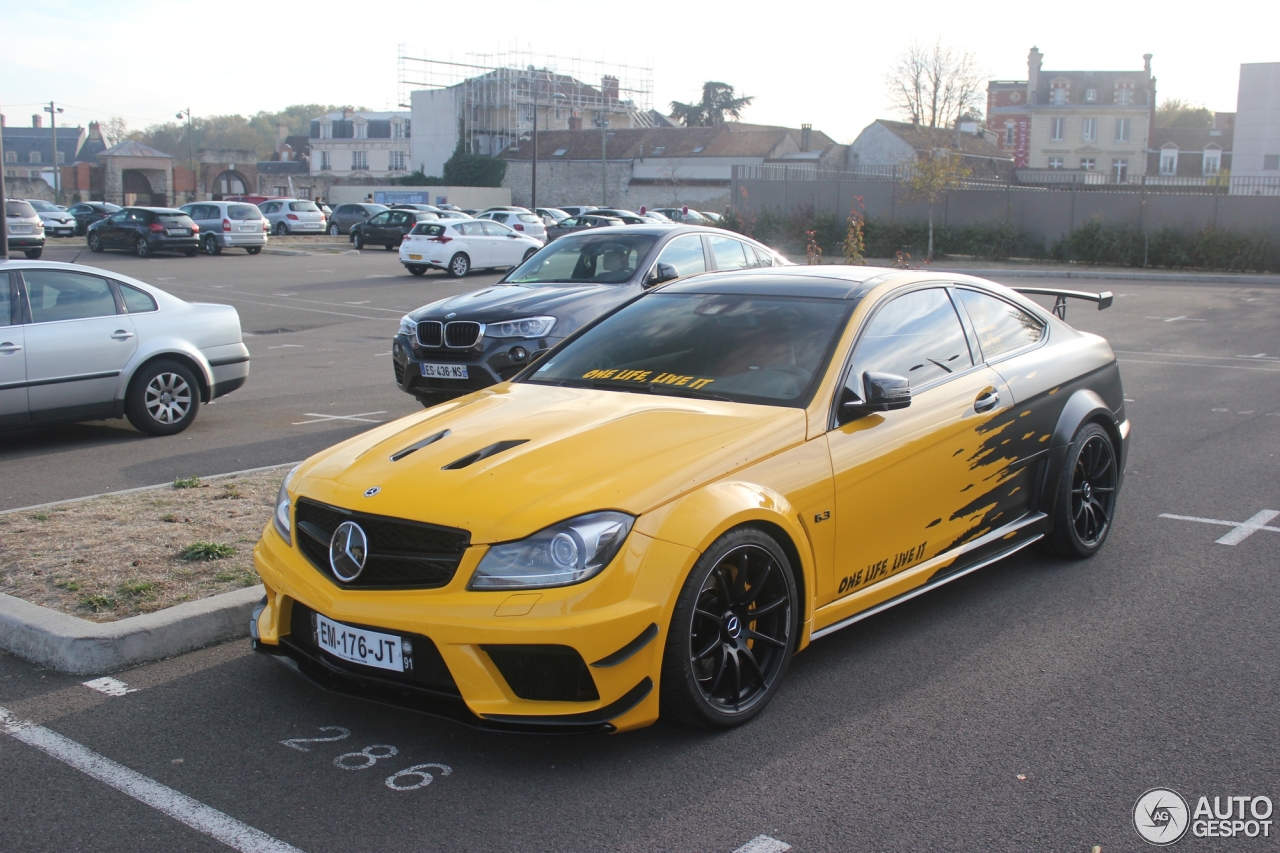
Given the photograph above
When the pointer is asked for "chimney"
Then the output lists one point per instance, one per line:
(95, 130)
(282, 133)
(806, 137)
(2, 120)
(1146, 63)
(1034, 60)
(575, 122)
(35, 120)
(609, 88)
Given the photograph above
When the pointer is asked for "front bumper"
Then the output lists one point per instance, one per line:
(615, 623)
(488, 363)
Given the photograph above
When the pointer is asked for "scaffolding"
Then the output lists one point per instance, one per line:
(497, 94)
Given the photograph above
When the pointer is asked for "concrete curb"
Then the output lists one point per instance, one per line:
(1237, 279)
(79, 647)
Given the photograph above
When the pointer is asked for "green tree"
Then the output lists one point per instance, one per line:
(719, 103)
(464, 169)
(935, 174)
(1176, 112)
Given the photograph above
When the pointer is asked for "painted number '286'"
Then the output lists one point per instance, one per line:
(408, 779)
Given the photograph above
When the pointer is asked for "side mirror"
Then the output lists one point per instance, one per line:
(882, 392)
(662, 273)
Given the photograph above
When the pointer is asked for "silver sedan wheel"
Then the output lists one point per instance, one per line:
(167, 398)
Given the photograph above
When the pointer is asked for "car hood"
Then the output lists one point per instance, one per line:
(581, 450)
(510, 302)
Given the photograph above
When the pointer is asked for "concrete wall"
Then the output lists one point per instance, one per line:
(1257, 130)
(879, 146)
(563, 182)
(468, 197)
(434, 119)
(27, 188)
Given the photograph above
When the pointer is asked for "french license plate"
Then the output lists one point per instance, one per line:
(20, 229)
(444, 371)
(178, 232)
(415, 257)
(250, 228)
(371, 648)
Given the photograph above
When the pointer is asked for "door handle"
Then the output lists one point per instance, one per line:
(986, 401)
(121, 335)
(9, 347)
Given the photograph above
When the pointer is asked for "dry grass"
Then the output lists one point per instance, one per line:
(114, 557)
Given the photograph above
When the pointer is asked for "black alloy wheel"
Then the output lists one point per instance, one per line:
(1087, 495)
(732, 634)
(95, 243)
(459, 265)
(357, 238)
(142, 248)
(211, 245)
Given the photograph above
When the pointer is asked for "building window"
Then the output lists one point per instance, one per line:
(560, 152)
(35, 157)
(325, 163)
(1124, 94)
(1271, 161)
(1058, 93)
(11, 173)
(362, 130)
(399, 160)
(559, 112)
(11, 157)
(1212, 162)
(1088, 164)
(1008, 133)
(1122, 129)
(1059, 129)
(1091, 96)
(526, 112)
(359, 160)
(397, 130)
(326, 130)
(1089, 130)
(1169, 161)
(1120, 170)
(62, 157)
(1056, 163)
(659, 150)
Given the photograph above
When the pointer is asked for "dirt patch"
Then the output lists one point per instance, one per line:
(119, 556)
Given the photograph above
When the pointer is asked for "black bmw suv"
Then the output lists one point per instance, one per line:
(464, 343)
(145, 231)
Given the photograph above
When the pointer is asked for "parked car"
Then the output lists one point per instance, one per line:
(346, 215)
(228, 225)
(630, 218)
(57, 220)
(551, 215)
(24, 229)
(577, 209)
(519, 220)
(325, 209)
(293, 216)
(685, 215)
(145, 231)
(581, 223)
(388, 228)
(88, 343)
(409, 205)
(452, 214)
(453, 207)
(716, 218)
(464, 343)
(86, 213)
(461, 246)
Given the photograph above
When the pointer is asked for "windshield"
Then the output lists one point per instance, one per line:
(173, 217)
(45, 206)
(243, 211)
(747, 349)
(303, 207)
(19, 208)
(595, 259)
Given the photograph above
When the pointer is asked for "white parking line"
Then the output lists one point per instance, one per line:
(1176, 319)
(195, 814)
(288, 346)
(362, 416)
(764, 844)
(1194, 364)
(1243, 529)
(110, 686)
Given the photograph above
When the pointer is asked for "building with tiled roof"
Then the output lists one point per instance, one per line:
(1192, 152)
(885, 145)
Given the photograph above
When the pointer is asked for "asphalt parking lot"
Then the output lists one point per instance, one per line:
(1023, 707)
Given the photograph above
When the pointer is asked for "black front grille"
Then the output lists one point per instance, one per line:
(546, 673)
(461, 334)
(429, 333)
(426, 668)
(402, 554)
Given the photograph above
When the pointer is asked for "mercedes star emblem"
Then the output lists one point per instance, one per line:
(370, 492)
(348, 550)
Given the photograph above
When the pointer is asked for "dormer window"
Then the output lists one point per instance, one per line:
(1169, 160)
(1124, 93)
(35, 157)
(62, 157)
(1212, 161)
(397, 129)
(560, 152)
(1058, 92)
(699, 149)
(362, 129)
(11, 156)
(326, 130)
(659, 150)
(1091, 96)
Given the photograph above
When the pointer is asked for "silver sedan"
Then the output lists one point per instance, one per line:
(80, 344)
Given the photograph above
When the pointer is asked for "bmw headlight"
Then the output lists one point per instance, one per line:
(566, 553)
(280, 518)
(529, 327)
(408, 326)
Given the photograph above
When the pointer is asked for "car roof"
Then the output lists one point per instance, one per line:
(836, 281)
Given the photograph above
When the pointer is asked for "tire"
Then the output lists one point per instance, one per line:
(357, 239)
(459, 265)
(146, 404)
(416, 269)
(95, 243)
(253, 250)
(391, 247)
(334, 230)
(142, 248)
(429, 400)
(710, 690)
(33, 254)
(190, 253)
(1086, 499)
(529, 254)
(211, 245)
(282, 230)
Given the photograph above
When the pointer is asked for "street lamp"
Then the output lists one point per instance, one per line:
(53, 111)
(191, 157)
(603, 124)
(533, 190)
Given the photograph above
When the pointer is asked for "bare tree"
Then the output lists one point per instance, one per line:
(935, 174)
(934, 86)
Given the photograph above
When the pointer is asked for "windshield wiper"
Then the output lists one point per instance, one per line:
(681, 391)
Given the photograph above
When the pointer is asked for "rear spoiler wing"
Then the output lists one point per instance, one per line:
(1104, 299)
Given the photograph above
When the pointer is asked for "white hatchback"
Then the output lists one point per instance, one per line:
(459, 246)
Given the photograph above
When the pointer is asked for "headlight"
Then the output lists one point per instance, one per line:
(566, 553)
(408, 326)
(529, 327)
(280, 518)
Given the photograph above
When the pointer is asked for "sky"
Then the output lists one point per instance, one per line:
(822, 63)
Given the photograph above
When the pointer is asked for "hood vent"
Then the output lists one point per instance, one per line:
(485, 453)
(400, 454)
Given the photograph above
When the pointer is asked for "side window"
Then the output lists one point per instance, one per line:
(494, 229)
(135, 300)
(685, 254)
(135, 216)
(729, 253)
(380, 219)
(8, 297)
(470, 229)
(57, 295)
(918, 335)
(763, 258)
(117, 218)
(1000, 327)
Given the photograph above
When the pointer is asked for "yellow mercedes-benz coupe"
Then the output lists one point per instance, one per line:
(658, 513)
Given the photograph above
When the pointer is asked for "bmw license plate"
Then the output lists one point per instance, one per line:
(371, 648)
(444, 371)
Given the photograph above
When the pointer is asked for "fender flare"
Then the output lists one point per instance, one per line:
(169, 349)
(1084, 405)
